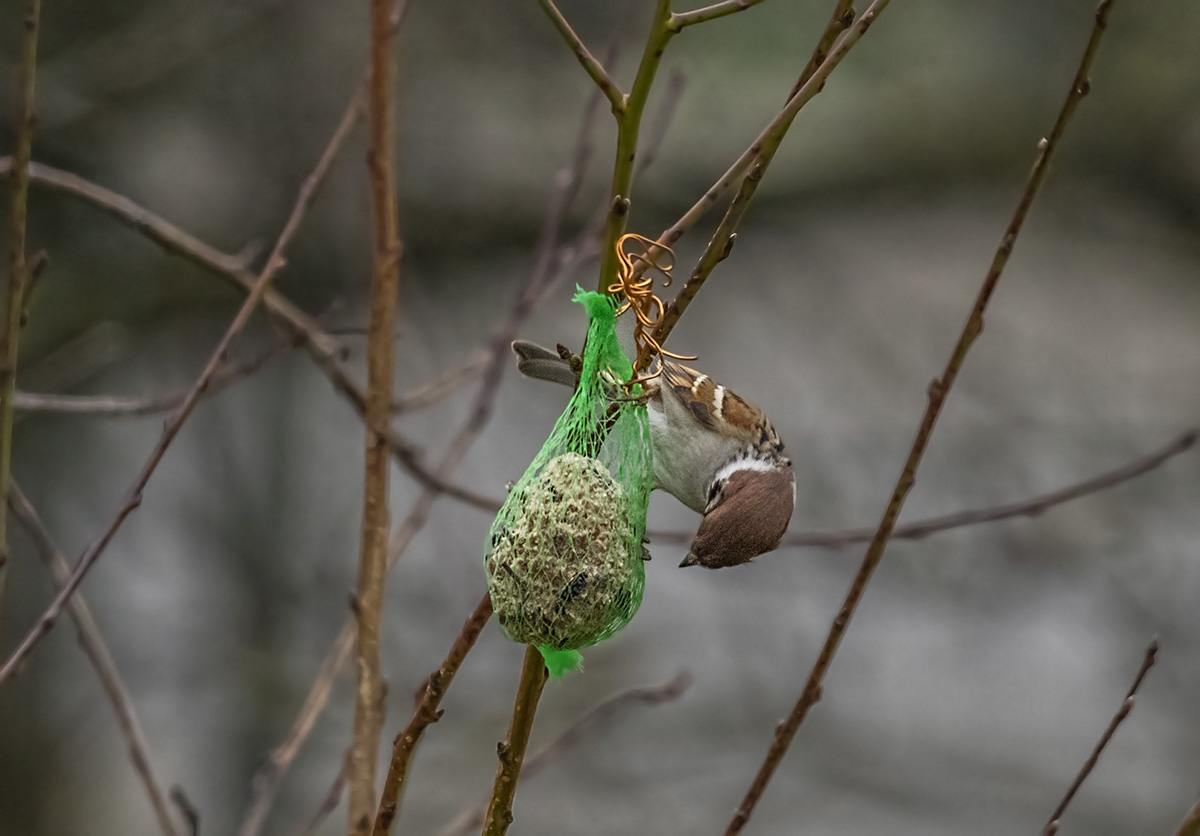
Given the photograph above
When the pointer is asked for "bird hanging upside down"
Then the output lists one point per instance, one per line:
(713, 451)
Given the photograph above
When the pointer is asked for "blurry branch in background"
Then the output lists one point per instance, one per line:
(328, 804)
(511, 752)
(594, 720)
(1032, 507)
(754, 161)
(325, 351)
(381, 360)
(1051, 827)
(428, 711)
(938, 390)
(550, 264)
(132, 406)
(186, 809)
(447, 382)
(1190, 826)
(18, 269)
(174, 423)
(94, 646)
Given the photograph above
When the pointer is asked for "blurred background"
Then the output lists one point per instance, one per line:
(984, 662)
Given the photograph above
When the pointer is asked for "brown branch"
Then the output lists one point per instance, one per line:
(937, 392)
(841, 19)
(325, 351)
(594, 68)
(1051, 827)
(758, 156)
(174, 423)
(593, 720)
(96, 649)
(716, 10)
(427, 712)
(511, 752)
(1190, 826)
(1032, 507)
(116, 405)
(18, 270)
(372, 566)
(722, 240)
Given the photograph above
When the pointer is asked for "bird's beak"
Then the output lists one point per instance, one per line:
(690, 560)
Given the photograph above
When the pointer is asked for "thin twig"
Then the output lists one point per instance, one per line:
(325, 351)
(1051, 827)
(330, 803)
(721, 242)
(186, 809)
(595, 719)
(18, 269)
(1032, 507)
(716, 10)
(174, 423)
(594, 68)
(757, 157)
(446, 382)
(372, 566)
(937, 392)
(264, 786)
(1190, 826)
(117, 405)
(427, 712)
(511, 752)
(96, 649)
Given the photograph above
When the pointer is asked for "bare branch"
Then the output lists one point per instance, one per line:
(96, 649)
(937, 392)
(1032, 507)
(511, 751)
(629, 122)
(385, 287)
(716, 10)
(590, 722)
(1051, 827)
(332, 799)
(427, 712)
(116, 405)
(16, 291)
(594, 68)
(754, 162)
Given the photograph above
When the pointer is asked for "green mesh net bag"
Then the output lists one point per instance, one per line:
(565, 554)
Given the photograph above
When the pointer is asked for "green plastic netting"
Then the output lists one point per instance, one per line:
(565, 554)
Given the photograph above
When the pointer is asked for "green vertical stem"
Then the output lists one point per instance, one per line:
(18, 268)
(512, 751)
(629, 123)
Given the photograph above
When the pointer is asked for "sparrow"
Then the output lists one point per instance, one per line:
(712, 450)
